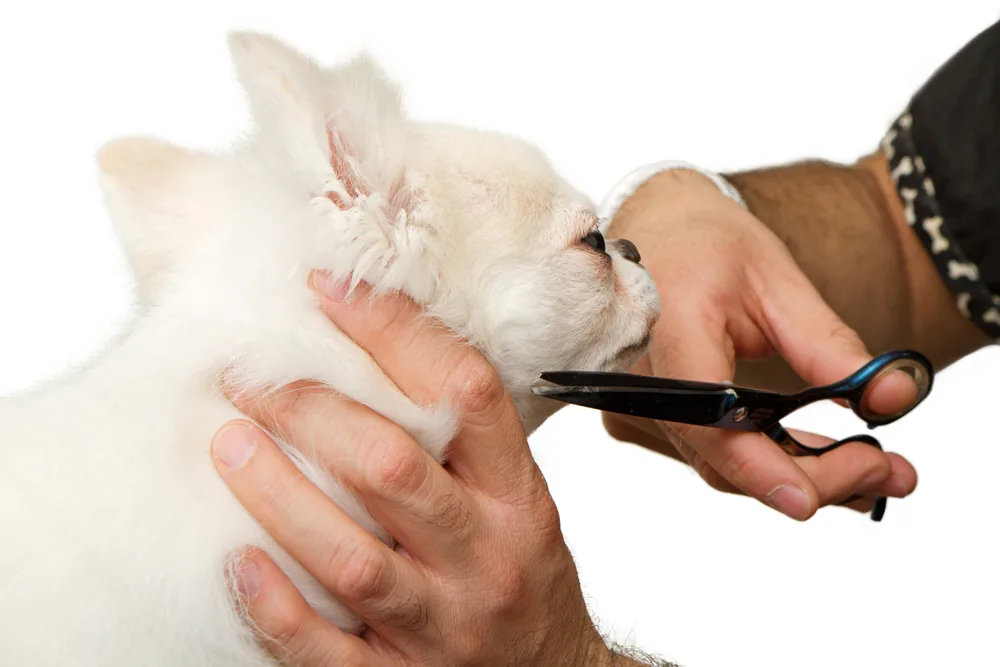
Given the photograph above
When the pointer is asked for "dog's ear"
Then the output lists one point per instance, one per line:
(339, 136)
(344, 124)
(151, 189)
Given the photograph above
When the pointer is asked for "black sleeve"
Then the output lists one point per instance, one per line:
(944, 153)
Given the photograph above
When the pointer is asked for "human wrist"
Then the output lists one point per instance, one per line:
(668, 195)
(687, 186)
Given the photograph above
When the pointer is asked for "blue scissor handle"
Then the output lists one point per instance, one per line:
(854, 389)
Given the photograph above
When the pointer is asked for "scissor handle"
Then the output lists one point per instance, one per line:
(778, 434)
(855, 388)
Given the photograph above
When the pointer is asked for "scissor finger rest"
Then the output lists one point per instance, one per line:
(784, 439)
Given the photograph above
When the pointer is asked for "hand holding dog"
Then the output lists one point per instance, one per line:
(480, 575)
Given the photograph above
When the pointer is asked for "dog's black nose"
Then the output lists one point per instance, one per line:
(628, 250)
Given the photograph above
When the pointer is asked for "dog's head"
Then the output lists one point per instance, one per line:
(527, 275)
(475, 226)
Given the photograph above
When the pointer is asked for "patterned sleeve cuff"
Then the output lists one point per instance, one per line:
(916, 191)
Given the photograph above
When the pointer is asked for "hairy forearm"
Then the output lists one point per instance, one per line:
(634, 658)
(845, 228)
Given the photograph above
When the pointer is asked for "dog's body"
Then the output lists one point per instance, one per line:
(115, 526)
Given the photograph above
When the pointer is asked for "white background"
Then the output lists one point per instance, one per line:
(680, 570)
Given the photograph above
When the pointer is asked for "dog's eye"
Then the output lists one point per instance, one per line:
(595, 240)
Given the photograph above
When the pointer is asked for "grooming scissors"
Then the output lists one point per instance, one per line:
(739, 408)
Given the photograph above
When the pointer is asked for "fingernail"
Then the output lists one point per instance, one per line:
(234, 446)
(247, 579)
(791, 501)
(325, 284)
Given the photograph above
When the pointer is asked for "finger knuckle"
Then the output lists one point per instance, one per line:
(738, 468)
(285, 629)
(716, 481)
(876, 471)
(476, 384)
(291, 404)
(845, 334)
(840, 336)
(451, 515)
(676, 435)
(882, 468)
(844, 337)
(698, 463)
(360, 575)
(702, 467)
(289, 634)
(398, 469)
(546, 517)
(408, 613)
(511, 589)
(537, 511)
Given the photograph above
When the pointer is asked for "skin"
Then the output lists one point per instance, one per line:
(481, 574)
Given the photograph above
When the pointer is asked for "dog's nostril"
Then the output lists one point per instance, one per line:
(628, 250)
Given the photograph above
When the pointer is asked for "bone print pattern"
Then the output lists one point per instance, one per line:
(938, 242)
(909, 195)
(916, 192)
(957, 270)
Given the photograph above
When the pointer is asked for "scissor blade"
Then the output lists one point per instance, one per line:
(702, 408)
(625, 380)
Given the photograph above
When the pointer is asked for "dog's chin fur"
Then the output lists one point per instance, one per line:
(115, 525)
(626, 358)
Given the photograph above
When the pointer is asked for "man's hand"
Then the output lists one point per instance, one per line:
(480, 575)
(731, 290)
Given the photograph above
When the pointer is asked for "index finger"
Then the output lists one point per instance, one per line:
(696, 347)
(433, 367)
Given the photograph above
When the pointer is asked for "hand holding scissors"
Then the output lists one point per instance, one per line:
(740, 408)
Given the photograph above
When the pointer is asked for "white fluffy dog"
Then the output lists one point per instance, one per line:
(115, 526)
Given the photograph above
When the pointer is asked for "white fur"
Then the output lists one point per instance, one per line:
(115, 525)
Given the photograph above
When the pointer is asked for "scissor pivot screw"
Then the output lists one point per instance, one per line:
(740, 415)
